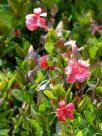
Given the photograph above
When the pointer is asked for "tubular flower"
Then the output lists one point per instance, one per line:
(35, 20)
(65, 111)
(77, 71)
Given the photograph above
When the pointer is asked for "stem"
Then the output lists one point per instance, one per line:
(66, 95)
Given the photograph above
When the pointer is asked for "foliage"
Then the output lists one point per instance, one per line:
(29, 93)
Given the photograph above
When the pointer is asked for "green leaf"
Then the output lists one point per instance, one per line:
(17, 125)
(20, 52)
(24, 133)
(89, 117)
(60, 61)
(99, 90)
(5, 20)
(51, 36)
(59, 91)
(19, 62)
(69, 97)
(18, 94)
(100, 126)
(22, 96)
(39, 77)
(42, 108)
(34, 123)
(25, 65)
(49, 94)
(93, 51)
(49, 47)
(31, 63)
(52, 119)
(19, 75)
(79, 133)
(84, 104)
(36, 126)
(4, 132)
(3, 84)
(66, 34)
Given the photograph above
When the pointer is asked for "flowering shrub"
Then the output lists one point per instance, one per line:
(56, 87)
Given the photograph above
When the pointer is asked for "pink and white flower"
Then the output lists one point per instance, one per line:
(77, 71)
(35, 20)
(73, 45)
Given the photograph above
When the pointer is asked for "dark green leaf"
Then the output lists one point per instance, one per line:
(22, 96)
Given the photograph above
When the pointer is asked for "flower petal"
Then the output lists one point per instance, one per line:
(61, 114)
(71, 78)
(83, 63)
(81, 77)
(37, 11)
(43, 61)
(71, 117)
(61, 103)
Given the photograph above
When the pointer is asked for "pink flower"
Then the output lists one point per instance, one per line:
(77, 71)
(61, 114)
(65, 111)
(70, 110)
(43, 61)
(33, 21)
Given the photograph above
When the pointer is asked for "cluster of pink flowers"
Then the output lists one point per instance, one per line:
(77, 71)
(35, 20)
(64, 110)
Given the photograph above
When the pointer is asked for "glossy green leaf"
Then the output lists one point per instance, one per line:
(49, 47)
(49, 94)
(39, 77)
(42, 108)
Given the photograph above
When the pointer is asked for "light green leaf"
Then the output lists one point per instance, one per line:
(79, 133)
(49, 47)
(39, 77)
(59, 91)
(42, 108)
(49, 94)
(99, 90)
(4, 132)
(93, 51)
